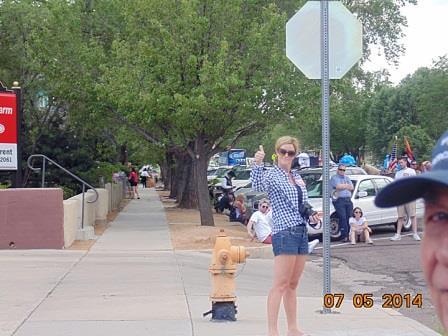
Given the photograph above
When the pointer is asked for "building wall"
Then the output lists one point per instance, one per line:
(31, 218)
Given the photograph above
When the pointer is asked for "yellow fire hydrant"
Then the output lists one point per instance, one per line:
(223, 269)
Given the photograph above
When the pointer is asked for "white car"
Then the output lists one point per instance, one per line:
(365, 189)
(217, 175)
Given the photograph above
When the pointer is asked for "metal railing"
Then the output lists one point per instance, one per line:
(84, 183)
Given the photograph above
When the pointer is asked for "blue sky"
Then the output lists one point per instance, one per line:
(426, 39)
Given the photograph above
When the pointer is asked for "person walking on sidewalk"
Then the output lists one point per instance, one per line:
(432, 186)
(408, 209)
(133, 180)
(342, 199)
(287, 193)
(144, 177)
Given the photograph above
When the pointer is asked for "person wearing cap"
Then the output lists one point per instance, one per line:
(432, 186)
(408, 209)
(342, 199)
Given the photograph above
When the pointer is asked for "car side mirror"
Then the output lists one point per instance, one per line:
(362, 194)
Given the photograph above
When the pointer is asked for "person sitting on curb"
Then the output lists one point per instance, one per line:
(432, 186)
(238, 211)
(260, 225)
(359, 227)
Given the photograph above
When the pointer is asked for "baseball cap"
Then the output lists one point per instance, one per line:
(408, 189)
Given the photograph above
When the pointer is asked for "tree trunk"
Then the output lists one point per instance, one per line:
(166, 170)
(171, 172)
(186, 194)
(123, 155)
(200, 163)
(164, 174)
(173, 184)
(189, 199)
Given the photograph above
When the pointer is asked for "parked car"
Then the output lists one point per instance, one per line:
(315, 174)
(242, 179)
(213, 175)
(251, 196)
(365, 189)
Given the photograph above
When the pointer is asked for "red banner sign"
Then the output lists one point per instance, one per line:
(8, 131)
(8, 118)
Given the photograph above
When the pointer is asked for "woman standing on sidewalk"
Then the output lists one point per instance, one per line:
(287, 194)
(133, 180)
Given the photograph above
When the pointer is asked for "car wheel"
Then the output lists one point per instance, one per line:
(335, 228)
(407, 224)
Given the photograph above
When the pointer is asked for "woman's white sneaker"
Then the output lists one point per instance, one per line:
(416, 237)
(395, 237)
(312, 244)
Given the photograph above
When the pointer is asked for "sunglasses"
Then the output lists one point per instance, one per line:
(283, 152)
(265, 206)
(341, 169)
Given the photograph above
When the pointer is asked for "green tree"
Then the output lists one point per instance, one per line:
(418, 104)
(421, 143)
(190, 77)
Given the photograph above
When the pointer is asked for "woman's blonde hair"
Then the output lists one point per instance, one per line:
(287, 140)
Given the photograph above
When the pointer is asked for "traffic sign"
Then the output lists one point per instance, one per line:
(303, 46)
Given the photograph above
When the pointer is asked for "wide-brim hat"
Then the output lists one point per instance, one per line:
(408, 189)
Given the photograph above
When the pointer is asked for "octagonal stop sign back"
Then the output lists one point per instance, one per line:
(303, 46)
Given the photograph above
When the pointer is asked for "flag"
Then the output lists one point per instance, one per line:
(393, 157)
(408, 149)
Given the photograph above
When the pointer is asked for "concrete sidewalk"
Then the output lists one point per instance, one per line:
(131, 282)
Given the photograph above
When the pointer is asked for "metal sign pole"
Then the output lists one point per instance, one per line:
(19, 113)
(325, 89)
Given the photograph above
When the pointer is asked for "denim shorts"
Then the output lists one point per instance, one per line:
(292, 241)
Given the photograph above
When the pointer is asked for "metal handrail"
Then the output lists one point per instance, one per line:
(84, 183)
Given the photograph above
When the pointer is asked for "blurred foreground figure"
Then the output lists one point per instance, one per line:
(432, 186)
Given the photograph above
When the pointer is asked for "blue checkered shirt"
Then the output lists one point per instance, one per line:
(283, 196)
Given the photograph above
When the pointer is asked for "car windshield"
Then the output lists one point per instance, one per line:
(242, 175)
(221, 172)
(211, 172)
(314, 189)
(312, 175)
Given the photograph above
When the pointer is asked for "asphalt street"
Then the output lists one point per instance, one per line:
(394, 268)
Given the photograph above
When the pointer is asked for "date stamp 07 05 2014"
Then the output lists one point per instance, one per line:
(366, 300)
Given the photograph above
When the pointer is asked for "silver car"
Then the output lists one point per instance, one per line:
(365, 189)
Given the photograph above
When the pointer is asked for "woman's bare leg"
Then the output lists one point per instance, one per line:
(353, 237)
(283, 271)
(367, 235)
(290, 296)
